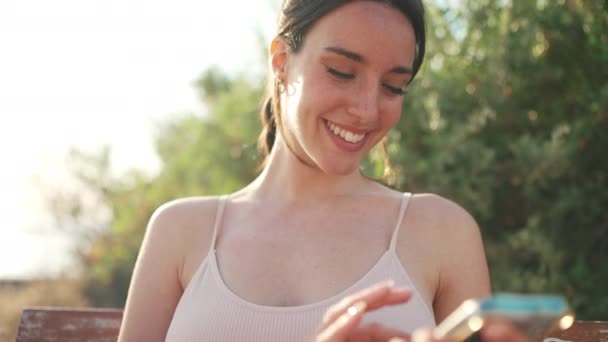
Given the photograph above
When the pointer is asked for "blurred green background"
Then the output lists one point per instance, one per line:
(508, 117)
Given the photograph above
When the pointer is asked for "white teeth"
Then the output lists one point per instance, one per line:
(348, 136)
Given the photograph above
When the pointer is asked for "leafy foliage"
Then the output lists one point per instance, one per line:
(508, 122)
(507, 119)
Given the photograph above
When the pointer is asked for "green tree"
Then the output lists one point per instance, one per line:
(200, 155)
(506, 118)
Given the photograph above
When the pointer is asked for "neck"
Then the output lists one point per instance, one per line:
(290, 180)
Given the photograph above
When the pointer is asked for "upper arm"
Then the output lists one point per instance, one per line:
(155, 287)
(462, 265)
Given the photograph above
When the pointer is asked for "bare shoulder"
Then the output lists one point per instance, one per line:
(447, 226)
(439, 215)
(177, 232)
(182, 213)
(184, 226)
(182, 219)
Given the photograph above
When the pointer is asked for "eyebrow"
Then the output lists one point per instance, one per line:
(359, 59)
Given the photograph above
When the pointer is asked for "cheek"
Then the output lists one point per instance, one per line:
(391, 117)
(294, 104)
(309, 96)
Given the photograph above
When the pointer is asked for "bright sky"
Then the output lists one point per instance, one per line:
(94, 72)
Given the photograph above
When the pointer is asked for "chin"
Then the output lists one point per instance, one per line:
(339, 169)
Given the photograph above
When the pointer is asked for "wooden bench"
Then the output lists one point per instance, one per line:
(102, 325)
(581, 331)
(69, 324)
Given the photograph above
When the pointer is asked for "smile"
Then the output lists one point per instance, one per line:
(346, 135)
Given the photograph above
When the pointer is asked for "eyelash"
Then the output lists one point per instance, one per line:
(346, 76)
(339, 74)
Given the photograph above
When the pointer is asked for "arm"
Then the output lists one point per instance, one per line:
(167, 257)
(463, 270)
(463, 273)
(155, 289)
(439, 243)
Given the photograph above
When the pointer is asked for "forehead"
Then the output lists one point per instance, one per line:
(375, 30)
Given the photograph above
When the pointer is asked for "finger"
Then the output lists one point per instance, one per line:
(378, 332)
(339, 329)
(398, 339)
(376, 296)
(425, 335)
(376, 291)
(502, 331)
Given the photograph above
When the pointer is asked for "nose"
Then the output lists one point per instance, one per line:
(365, 104)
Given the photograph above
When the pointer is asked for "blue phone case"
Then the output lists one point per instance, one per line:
(533, 314)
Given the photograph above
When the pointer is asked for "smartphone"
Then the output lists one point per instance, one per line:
(535, 315)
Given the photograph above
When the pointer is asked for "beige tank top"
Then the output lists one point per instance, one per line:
(209, 311)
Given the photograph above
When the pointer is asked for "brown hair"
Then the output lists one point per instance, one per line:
(295, 19)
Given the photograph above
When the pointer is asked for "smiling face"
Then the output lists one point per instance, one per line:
(345, 85)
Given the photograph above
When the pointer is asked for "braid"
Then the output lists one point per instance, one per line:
(269, 128)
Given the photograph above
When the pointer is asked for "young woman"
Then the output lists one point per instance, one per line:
(267, 262)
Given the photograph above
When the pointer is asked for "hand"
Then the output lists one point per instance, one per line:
(342, 320)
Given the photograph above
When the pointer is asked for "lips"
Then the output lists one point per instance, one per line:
(344, 134)
(346, 139)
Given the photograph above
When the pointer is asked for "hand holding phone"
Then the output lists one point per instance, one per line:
(534, 315)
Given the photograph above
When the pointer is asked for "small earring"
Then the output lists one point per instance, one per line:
(280, 86)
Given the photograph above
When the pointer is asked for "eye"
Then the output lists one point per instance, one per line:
(394, 90)
(340, 74)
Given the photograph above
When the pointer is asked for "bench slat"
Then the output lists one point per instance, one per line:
(583, 331)
(102, 325)
(69, 324)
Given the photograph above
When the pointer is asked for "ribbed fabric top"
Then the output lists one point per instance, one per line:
(210, 311)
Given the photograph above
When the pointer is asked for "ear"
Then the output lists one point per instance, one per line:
(278, 52)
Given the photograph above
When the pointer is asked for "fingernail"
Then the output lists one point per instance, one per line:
(423, 335)
(355, 309)
(384, 284)
(396, 339)
(403, 289)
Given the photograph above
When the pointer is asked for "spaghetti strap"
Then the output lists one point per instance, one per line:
(218, 221)
(404, 204)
